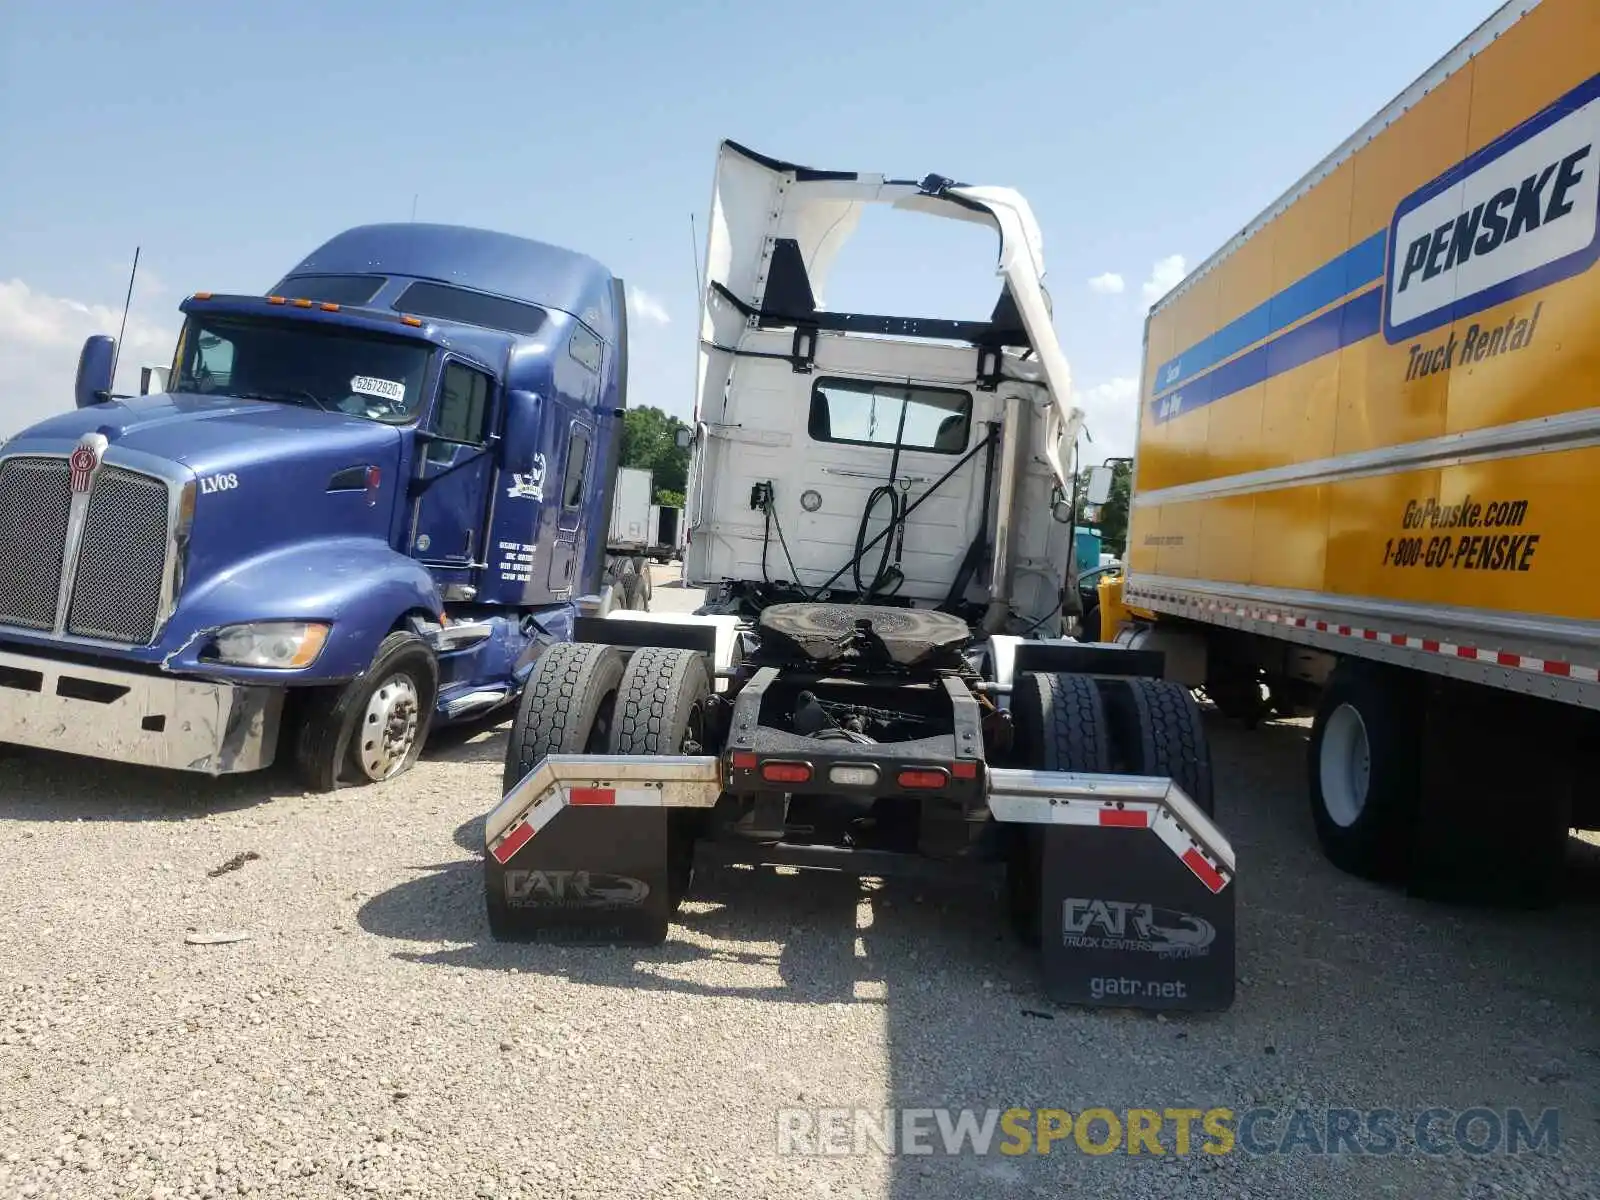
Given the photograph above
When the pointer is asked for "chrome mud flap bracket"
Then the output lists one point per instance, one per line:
(581, 850)
(1136, 890)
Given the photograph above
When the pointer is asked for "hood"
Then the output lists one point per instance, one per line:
(208, 434)
(265, 474)
(757, 200)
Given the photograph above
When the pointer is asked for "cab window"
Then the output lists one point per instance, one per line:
(865, 413)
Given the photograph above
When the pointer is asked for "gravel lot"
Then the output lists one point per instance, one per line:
(368, 1038)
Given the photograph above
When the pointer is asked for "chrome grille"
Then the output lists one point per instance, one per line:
(117, 592)
(35, 501)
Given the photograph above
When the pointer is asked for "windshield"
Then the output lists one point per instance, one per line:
(339, 370)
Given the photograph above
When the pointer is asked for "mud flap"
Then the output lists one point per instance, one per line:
(578, 851)
(1136, 890)
(592, 875)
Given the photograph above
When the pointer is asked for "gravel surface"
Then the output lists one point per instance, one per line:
(232, 988)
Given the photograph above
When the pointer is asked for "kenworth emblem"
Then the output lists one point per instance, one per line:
(85, 460)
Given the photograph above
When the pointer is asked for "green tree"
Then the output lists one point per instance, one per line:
(649, 442)
(1113, 520)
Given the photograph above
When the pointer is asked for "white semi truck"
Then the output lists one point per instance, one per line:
(880, 507)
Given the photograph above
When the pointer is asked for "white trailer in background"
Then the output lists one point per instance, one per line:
(667, 532)
(631, 536)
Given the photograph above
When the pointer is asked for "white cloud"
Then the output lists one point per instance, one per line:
(1109, 284)
(1165, 275)
(1111, 413)
(40, 336)
(646, 307)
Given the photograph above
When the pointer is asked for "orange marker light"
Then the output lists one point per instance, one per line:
(413, 321)
(274, 299)
(202, 295)
(302, 304)
(326, 307)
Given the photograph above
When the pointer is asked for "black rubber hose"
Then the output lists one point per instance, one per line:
(884, 573)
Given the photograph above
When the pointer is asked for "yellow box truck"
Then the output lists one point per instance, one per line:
(1367, 482)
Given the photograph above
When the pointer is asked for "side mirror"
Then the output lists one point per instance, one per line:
(1099, 490)
(684, 437)
(153, 380)
(96, 361)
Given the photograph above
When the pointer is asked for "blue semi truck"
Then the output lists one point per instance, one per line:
(359, 508)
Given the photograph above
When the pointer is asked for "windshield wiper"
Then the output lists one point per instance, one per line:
(293, 394)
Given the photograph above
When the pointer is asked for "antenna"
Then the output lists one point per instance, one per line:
(413, 206)
(694, 238)
(116, 351)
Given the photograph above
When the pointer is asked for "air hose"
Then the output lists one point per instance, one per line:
(888, 578)
(886, 574)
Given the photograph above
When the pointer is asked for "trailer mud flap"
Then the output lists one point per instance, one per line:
(1136, 890)
(578, 850)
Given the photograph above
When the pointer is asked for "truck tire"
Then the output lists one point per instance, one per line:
(661, 710)
(1364, 767)
(566, 707)
(374, 727)
(1156, 729)
(633, 593)
(1060, 724)
(1091, 624)
(1494, 819)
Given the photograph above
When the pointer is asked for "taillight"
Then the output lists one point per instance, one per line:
(744, 760)
(964, 770)
(921, 779)
(786, 772)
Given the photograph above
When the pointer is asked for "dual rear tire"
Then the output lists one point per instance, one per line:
(1463, 794)
(1098, 725)
(592, 699)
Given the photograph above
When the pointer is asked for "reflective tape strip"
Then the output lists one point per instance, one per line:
(518, 836)
(1039, 810)
(1213, 874)
(1203, 870)
(1125, 818)
(1499, 658)
(520, 832)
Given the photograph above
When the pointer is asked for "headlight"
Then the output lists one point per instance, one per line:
(284, 644)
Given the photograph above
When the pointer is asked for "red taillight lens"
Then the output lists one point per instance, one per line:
(922, 780)
(786, 772)
(744, 760)
(964, 770)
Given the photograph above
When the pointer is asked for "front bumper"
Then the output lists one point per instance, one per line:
(152, 720)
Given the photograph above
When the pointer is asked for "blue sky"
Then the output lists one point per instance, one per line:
(228, 140)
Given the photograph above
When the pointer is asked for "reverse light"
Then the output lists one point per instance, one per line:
(850, 775)
(786, 772)
(921, 779)
(284, 645)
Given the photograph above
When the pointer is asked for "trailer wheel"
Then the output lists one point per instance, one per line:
(633, 594)
(661, 705)
(566, 706)
(1156, 729)
(1364, 761)
(373, 728)
(1060, 723)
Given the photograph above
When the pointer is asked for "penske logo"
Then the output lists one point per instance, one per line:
(1519, 215)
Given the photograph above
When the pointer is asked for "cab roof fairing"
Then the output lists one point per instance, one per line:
(757, 200)
(498, 264)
